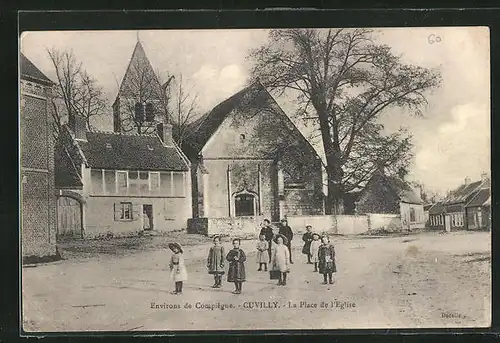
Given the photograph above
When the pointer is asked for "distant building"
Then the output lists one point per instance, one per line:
(392, 195)
(452, 213)
(427, 207)
(250, 160)
(38, 197)
(478, 211)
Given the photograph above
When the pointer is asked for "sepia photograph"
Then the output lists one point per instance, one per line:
(264, 179)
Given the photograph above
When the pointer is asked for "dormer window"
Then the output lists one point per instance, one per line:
(150, 148)
(108, 145)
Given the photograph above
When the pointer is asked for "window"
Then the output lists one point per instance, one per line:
(242, 137)
(440, 220)
(109, 182)
(178, 184)
(96, 181)
(244, 205)
(165, 183)
(154, 182)
(123, 211)
(412, 215)
(121, 181)
(132, 180)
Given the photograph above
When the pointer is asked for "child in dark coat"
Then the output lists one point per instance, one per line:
(307, 238)
(236, 271)
(326, 257)
(215, 262)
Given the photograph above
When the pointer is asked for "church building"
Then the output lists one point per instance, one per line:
(250, 161)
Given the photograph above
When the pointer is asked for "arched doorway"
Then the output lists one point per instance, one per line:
(70, 215)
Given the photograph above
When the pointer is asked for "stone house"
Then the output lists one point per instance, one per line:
(250, 161)
(37, 178)
(392, 195)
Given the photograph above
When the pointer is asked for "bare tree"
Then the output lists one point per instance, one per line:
(346, 80)
(77, 92)
(184, 109)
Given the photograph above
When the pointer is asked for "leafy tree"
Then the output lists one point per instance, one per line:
(344, 80)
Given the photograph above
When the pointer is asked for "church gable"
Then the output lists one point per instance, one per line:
(254, 126)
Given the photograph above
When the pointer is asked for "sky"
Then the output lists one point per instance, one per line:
(451, 142)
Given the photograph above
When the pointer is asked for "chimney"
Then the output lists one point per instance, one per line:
(484, 176)
(78, 125)
(164, 131)
(467, 181)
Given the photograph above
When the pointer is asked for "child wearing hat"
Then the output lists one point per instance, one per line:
(326, 257)
(178, 271)
(215, 262)
(315, 244)
(236, 271)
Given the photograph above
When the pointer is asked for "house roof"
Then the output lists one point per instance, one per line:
(66, 174)
(109, 150)
(255, 95)
(30, 72)
(461, 193)
(437, 208)
(427, 207)
(402, 189)
(488, 201)
(480, 198)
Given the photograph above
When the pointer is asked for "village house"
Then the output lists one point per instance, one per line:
(249, 161)
(392, 195)
(478, 210)
(124, 182)
(451, 213)
(130, 180)
(38, 197)
(427, 207)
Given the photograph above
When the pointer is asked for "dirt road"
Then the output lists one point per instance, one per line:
(426, 280)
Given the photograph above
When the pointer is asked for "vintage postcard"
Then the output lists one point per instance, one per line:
(287, 179)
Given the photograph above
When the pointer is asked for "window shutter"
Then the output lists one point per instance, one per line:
(117, 211)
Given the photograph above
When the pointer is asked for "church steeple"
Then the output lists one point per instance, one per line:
(139, 95)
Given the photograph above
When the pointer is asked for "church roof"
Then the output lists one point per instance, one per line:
(139, 77)
(255, 95)
(30, 72)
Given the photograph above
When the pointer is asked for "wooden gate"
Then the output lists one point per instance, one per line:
(69, 222)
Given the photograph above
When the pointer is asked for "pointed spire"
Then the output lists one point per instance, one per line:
(139, 73)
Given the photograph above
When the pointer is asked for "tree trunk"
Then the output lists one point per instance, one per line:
(334, 200)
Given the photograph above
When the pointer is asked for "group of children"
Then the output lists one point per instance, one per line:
(318, 249)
